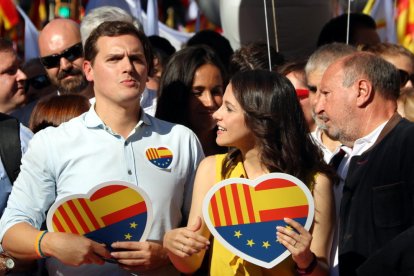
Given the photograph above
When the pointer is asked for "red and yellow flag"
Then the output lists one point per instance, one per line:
(405, 23)
(9, 16)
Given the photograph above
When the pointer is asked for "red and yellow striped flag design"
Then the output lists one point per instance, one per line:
(271, 200)
(107, 206)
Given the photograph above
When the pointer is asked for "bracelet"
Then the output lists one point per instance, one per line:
(37, 244)
(309, 269)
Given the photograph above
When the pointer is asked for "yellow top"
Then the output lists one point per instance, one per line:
(223, 262)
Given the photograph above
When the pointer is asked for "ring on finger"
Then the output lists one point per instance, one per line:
(182, 248)
(294, 245)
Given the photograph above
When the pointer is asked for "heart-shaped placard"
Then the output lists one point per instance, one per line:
(112, 211)
(160, 157)
(243, 214)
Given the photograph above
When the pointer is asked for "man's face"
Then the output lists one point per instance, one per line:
(64, 58)
(12, 80)
(119, 71)
(335, 107)
(403, 63)
(313, 82)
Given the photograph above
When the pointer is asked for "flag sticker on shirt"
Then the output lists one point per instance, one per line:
(112, 211)
(160, 157)
(243, 214)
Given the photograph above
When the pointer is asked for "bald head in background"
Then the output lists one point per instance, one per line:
(62, 56)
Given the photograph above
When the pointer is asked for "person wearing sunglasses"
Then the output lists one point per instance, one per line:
(61, 54)
(295, 72)
(398, 56)
(403, 60)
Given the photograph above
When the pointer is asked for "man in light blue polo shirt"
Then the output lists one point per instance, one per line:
(110, 142)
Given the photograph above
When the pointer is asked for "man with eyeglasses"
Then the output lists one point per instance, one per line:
(61, 54)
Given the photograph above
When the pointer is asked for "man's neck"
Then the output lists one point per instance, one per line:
(120, 119)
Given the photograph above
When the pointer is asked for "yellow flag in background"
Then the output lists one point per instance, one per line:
(405, 23)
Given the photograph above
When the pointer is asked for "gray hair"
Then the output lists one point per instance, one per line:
(327, 54)
(383, 75)
(103, 14)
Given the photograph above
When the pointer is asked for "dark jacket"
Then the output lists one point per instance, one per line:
(377, 205)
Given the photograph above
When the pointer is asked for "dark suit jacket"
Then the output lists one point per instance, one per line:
(377, 205)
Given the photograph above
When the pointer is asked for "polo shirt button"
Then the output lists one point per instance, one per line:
(129, 172)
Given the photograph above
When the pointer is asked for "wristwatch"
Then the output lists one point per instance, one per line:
(6, 263)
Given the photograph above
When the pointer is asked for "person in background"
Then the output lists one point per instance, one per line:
(54, 110)
(14, 137)
(61, 54)
(263, 139)
(403, 60)
(295, 72)
(358, 103)
(255, 56)
(405, 104)
(362, 30)
(191, 90)
(97, 16)
(215, 41)
(37, 86)
(12, 79)
(109, 142)
(315, 68)
(162, 50)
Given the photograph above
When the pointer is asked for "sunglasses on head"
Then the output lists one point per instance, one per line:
(37, 82)
(405, 77)
(71, 54)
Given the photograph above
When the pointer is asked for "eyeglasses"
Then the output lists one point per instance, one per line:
(71, 54)
(37, 82)
(302, 93)
(405, 77)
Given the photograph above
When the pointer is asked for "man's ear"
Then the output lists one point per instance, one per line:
(365, 92)
(88, 70)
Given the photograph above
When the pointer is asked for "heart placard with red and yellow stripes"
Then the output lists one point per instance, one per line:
(243, 214)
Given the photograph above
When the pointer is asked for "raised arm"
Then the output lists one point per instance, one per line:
(186, 246)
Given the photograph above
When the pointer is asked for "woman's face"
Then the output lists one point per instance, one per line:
(232, 129)
(206, 97)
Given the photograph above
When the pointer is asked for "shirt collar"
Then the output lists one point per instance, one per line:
(92, 119)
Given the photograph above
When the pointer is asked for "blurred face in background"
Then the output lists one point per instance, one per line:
(206, 97)
(302, 92)
(12, 79)
(37, 84)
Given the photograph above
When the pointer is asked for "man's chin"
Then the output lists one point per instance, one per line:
(72, 86)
